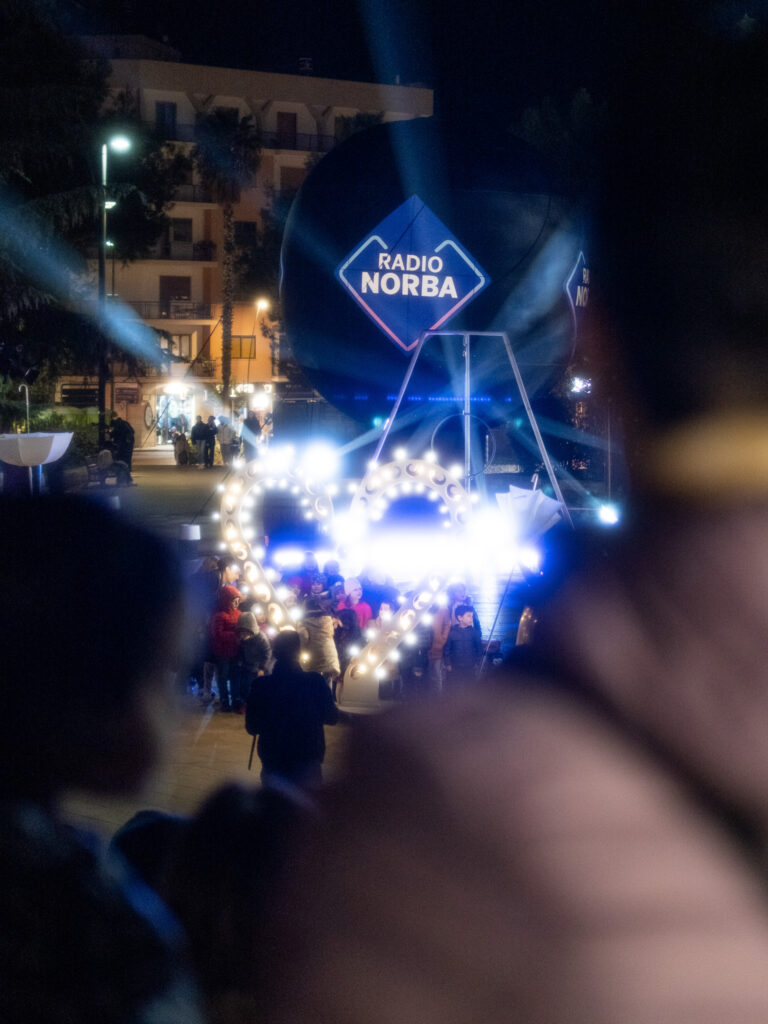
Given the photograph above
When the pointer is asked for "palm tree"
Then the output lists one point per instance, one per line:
(227, 155)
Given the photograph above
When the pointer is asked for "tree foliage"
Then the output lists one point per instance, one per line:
(227, 156)
(53, 119)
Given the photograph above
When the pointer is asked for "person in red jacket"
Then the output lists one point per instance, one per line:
(224, 645)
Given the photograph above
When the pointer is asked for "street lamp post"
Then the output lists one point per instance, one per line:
(118, 143)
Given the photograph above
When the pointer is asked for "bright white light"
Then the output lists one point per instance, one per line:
(608, 515)
(120, 143)
(215, 517)
(353, 650)
(401, 453)
(278, 459)
(288, 556)
(530, 557)
(581, 386)
(321, 461)
(455, 470)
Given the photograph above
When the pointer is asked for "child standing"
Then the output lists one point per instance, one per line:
(253, 656)
(463, 648)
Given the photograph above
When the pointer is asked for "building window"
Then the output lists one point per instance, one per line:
(165, 119)
(243, 346)
(286, 130)
(174, 290)
(181, 228)
(182, 345)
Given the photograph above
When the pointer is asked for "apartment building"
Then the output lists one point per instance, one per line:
(179, 287)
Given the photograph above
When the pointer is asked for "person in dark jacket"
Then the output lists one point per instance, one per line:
(197, 437)
(123, 438)
(209, 442)
(287, 711)
(250, 434)
(463, 648)
(253, 655)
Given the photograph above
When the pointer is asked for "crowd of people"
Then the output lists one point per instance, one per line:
(334, 619)
(242, 437)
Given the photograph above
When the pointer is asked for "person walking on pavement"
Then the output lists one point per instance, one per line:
(287, 711)
(251, 434)
(123, 438)
(197, 437)
(224, 640)
(211, 430)
(229, 442)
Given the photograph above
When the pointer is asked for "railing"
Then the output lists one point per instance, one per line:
(172, 309)
(203, 368)
(298, 140)
(201, 250)
(309, 141)
(193, 194)
(197, 368)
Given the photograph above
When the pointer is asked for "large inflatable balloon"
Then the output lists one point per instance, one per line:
(508, 223)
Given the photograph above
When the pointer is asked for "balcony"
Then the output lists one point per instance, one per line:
(172, 309)
(298, 140)
(193, 194)
(204, 369)
(306, 141)
(202, 250)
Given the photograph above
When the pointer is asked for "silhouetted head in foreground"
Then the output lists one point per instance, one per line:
(90, 617)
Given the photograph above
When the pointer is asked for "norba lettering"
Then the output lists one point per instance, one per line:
(424, 283)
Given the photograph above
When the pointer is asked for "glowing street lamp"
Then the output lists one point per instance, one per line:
(118, 144)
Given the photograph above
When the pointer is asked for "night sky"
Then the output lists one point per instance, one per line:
(485, 59)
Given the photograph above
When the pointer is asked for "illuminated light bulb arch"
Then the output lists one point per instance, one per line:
(242, 493)
(404, 476)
